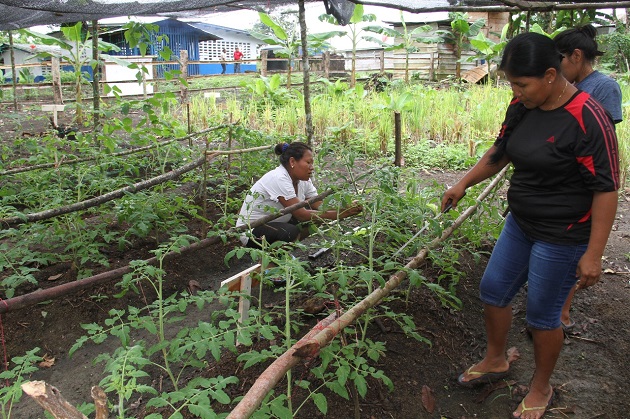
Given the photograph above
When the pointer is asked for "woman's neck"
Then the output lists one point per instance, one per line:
(584, 73)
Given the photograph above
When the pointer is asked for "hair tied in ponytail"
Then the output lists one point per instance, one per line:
(284, 147)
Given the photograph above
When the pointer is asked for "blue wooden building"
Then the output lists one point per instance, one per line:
(177, 35)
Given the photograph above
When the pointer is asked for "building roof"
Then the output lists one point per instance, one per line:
(26, 13)
(34, 49)
(213, 29)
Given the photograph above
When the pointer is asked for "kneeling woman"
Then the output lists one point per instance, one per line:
(286, 185)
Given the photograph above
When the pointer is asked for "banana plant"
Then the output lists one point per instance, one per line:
(288, 41)
(75, 47)
(355, 30)
(459, 35)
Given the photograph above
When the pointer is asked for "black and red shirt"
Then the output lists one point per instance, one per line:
(560, 158)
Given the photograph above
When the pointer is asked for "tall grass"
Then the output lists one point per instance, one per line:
(465, 117)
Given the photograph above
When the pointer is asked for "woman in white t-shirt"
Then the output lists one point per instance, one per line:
(286, 185)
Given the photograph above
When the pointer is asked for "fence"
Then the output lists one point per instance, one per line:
(433, 63)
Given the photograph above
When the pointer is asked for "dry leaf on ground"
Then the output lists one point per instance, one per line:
(428, 399)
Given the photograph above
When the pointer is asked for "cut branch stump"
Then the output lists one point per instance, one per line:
(49, 398)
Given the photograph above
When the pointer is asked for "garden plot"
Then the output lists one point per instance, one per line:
(381, 345)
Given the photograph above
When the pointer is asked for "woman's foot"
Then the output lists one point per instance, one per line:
(534, 405)
(483, 373)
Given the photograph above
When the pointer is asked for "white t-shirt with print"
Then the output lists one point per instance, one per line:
(262, 198)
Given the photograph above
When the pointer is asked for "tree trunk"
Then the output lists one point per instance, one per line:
(306, 72)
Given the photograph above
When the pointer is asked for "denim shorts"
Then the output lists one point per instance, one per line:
(548, 269)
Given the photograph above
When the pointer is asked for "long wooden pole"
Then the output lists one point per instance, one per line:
(274, 373)
(35, 297)
(99, 200)
(122, 153)
(308, 348)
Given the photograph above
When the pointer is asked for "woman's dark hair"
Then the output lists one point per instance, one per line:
(295, 150)
(580, 37)
(530, 55)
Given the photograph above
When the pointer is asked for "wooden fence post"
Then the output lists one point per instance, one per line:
(382, 60)
(13, 74)
(326, 64)
(96, 78)
(398, 139)
(56, 81)
(431, 66)
(263, 62)
(183, 66)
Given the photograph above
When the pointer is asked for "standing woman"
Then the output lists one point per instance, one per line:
(563, 199)
(579, 50)
(286, 185)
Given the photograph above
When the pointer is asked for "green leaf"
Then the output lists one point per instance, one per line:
(277, 29)
(221, 396)
(201, 411)
(320, 401)
(361, 384)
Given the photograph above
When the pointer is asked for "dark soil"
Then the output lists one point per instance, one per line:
(590, 378)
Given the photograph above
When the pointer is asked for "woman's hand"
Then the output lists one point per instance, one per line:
(588, 271)
(452, 196)
(354, 209)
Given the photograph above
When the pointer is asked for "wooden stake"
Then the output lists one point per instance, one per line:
(100, 403)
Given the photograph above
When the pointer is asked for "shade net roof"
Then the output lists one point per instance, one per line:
(17, 14)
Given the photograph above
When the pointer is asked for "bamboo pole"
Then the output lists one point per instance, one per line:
(99, 200)
(397, 140)
(55, 71)
(240, 151)
(35, 297)
(308, 348)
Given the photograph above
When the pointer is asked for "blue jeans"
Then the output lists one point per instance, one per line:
(237, 67)
(548, 269)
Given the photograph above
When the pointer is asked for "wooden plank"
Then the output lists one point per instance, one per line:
(244, 301)
(233, 280)
(53, 108)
